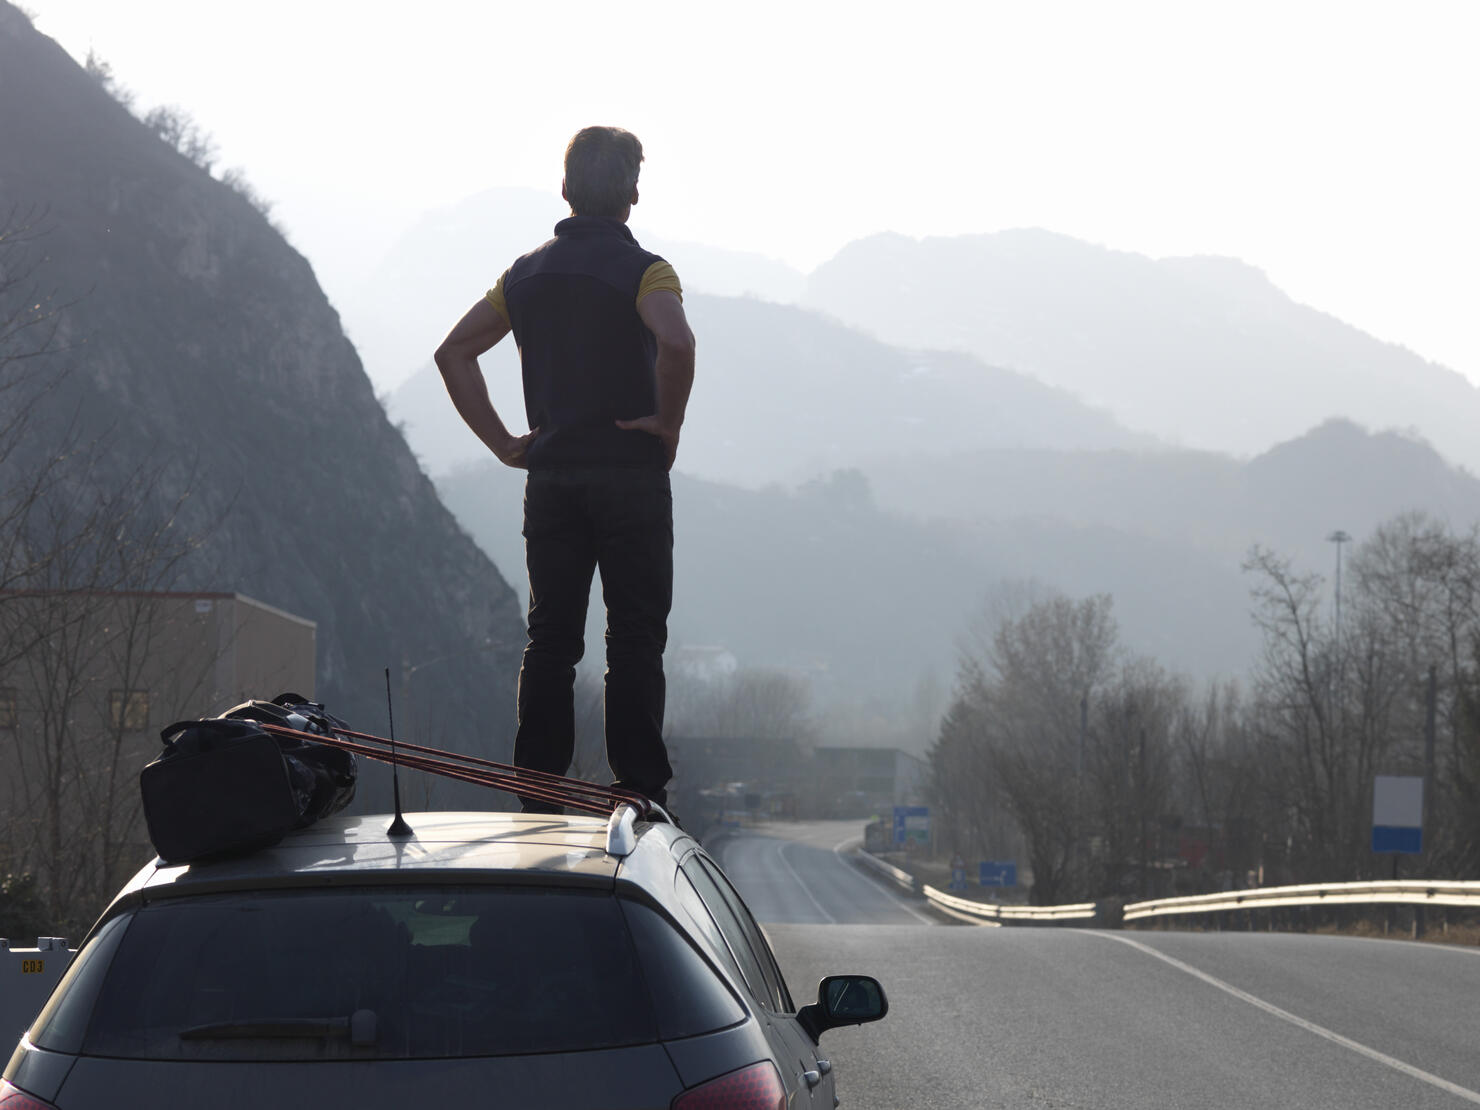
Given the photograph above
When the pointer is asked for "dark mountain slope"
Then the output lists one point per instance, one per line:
(200, 341)
(1204, 352)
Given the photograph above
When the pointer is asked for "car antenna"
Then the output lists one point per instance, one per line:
(398, 826)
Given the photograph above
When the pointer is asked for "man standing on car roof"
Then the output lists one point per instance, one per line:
(607, 360)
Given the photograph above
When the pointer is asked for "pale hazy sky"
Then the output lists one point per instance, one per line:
(1331, 144)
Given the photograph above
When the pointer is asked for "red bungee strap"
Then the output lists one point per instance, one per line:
(522, 781)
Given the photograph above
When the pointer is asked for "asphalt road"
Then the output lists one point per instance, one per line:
(1023, 1017)
(796, 873)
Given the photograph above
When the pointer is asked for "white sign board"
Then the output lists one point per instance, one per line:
(1397, 801)
(1397, 814)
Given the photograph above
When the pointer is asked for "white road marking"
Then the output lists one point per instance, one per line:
(877, 885)
(781, 851)
(1310, 1026)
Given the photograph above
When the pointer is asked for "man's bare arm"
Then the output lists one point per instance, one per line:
(457, 358)
(663, 313)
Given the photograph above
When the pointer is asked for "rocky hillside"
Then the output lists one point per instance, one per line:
(201, 344)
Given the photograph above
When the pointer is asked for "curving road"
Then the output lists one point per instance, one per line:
(797, 874)
(1021, 1017)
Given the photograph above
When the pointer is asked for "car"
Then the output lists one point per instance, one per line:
(486, 959)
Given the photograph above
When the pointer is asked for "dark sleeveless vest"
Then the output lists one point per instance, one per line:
(587, 357)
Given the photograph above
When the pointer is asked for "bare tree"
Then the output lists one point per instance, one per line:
(178, 128)
(1333, 713)
(1130, 771)
(969, 811)
(1015, 724)
(101, 71)
(1219, 791)
(1421, 582)
(86, 547)
(94, 668)
(236, 178)
(754, 703)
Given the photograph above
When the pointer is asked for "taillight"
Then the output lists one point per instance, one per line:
(13, 1098)
(756, 1087)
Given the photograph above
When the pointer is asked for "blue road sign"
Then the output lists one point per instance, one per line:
(912, 823)
(1404, 840)
(999, 872)
(1397, 814)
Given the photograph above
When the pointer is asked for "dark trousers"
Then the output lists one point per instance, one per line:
(575, 522)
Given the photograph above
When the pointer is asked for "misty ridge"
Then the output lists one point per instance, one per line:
(846, 503)
(872, 450)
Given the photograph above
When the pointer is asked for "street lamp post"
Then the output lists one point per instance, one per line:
(1338, 537)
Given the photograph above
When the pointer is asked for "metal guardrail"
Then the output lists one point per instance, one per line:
(1078, 913)
(981, 912)
(1412, 892)
(888, 870)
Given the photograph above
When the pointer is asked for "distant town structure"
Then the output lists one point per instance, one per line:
(779, 777)
(160, 656)
(91, 677)
(862, 782)
(703, 662)
(762, 774)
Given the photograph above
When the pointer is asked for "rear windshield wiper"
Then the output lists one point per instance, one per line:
(359, 1028)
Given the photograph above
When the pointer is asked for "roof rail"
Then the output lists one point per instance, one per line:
(621, 831)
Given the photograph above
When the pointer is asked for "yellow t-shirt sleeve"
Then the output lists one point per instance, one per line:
(495, 296)
(658, 276)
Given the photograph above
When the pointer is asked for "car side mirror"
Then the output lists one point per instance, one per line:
(843, 1000)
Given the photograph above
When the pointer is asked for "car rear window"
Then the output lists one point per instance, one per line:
(689, 997)
(387, 973)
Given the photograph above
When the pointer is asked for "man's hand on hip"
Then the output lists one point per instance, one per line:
(654, 427)
(516, 449)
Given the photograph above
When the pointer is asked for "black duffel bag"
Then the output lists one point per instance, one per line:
(225, 784)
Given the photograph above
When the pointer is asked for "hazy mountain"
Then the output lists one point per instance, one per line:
(866, 584)
(432, 273)
(1289, 498)
(866, 603)
(782, 394)
(1205, 352)
(201, 343)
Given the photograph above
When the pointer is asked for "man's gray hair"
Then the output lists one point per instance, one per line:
(601, 166)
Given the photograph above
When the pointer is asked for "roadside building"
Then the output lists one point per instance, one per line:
(88, 679)
(863, 782)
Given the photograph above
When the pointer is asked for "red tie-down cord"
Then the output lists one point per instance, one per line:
(522, 781)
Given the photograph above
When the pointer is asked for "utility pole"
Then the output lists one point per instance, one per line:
(1338, 537)
(1141, 805)
(1431, 714)
(1081, 846)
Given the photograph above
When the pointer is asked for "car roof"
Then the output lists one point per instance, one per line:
(448, 846)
